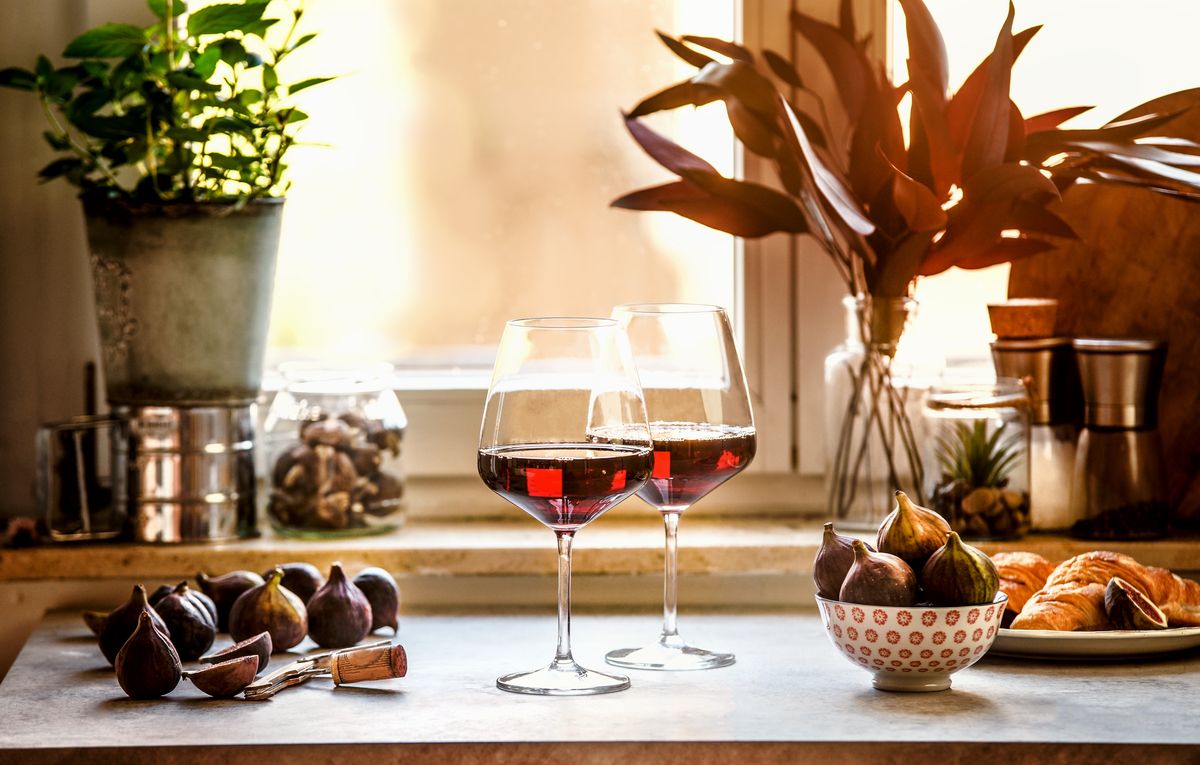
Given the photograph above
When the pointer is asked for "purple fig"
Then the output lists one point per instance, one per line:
(301, 578)
(123, 620)
(384, 596)
(191, 626)
(834, 559)
(269, 607)
(148, 665)
(339, 614)
(878, 579)
(225, 590)
(226, 679)
(258, 646)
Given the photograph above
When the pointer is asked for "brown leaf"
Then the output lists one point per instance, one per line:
(783, 68)
(988, 135)
(1052, 119)
(833, 192)
(724, 47)
(729, 215)
(666, 152)
(679, 94)
(926, 48)
(750, 129)
(741, 81)
(1046, 143)
(929, 114)
(914, 201)
(1016, 134)
(877, 131)
(846, 20)
(849, 67)
(961, 109)
(900, 265)
(1008, 182)
(1140, 151)
(690, 55)
(1031, 217)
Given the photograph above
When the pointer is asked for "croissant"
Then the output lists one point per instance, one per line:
(1021, 575)
(1073, 598)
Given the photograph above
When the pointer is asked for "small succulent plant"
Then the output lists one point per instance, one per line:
(976, 458)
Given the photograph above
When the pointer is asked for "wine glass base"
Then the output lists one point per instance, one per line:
(668, 654)
(562, 679)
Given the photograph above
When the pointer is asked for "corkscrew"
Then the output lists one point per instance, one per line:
(373, 661)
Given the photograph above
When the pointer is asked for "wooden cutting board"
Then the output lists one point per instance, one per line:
(1136, 272)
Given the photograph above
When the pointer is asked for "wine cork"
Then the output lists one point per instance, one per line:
(379, 663)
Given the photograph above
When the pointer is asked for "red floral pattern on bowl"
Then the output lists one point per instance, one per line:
(925, 669)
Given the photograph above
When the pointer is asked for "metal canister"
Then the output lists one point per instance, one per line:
(1047, 367)
(191, 473)
(1119, 485)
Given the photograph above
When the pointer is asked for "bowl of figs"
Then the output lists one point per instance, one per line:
(912, 609)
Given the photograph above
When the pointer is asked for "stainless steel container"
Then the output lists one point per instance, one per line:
(191, 473)
(1047, 367)
(1119, 485)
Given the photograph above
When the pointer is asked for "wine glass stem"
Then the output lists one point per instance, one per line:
(671, 574)
(563, 654)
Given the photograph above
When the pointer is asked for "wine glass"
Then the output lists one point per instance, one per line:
(556, 382)
(703, 433)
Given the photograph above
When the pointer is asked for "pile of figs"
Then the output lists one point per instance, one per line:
(916, 559)
(149, 637)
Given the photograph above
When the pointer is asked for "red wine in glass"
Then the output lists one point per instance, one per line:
(565, 486)
(692, 459)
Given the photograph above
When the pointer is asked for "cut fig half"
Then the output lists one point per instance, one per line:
(259, 645)
(1128, 608)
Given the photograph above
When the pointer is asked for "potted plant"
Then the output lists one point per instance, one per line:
(974, 184)
(176, 135)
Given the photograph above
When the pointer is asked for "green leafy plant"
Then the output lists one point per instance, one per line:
(187, 109)
(977, 459)
(974, 184)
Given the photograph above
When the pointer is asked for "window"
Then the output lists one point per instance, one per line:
(473, 148)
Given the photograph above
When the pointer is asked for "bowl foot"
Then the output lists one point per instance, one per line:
(890, 681)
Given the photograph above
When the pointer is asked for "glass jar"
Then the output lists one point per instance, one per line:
(333, 439)
(871, 435)
(977, 457)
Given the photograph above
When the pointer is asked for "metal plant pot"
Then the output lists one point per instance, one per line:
(183, 297)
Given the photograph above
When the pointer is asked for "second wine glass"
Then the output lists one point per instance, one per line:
(703, 432)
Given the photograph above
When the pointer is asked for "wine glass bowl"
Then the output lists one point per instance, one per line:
(557, 382)
(703, 431)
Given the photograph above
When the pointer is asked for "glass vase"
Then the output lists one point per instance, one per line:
(871, 444)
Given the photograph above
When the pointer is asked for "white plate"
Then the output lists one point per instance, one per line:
(1110, 644)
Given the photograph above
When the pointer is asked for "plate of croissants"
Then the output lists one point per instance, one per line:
(1097, 605)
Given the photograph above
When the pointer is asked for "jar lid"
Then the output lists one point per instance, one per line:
(1030, 343)
(1004, 393)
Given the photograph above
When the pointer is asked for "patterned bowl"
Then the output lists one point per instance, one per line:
(912, 649)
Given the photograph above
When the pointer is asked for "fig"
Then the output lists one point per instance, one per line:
(123, 620)
(339, 614)
(1128, 608)
(161, 592)
(384, 596)
(226, 679)
(148, 665)
(225, 590)
(194, 595)
(269, 607)
(959, 575)
(95, 621)
(834, 559)
(189, 623)
(301, 578)
(878, 579)
(258, 646)
(911, 533)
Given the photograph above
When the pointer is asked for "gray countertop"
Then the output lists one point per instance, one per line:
(789, 694)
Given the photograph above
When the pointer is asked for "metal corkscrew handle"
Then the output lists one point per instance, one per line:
(374, 663)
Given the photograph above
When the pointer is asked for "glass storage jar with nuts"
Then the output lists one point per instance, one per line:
(977, 457)
(334, 452)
